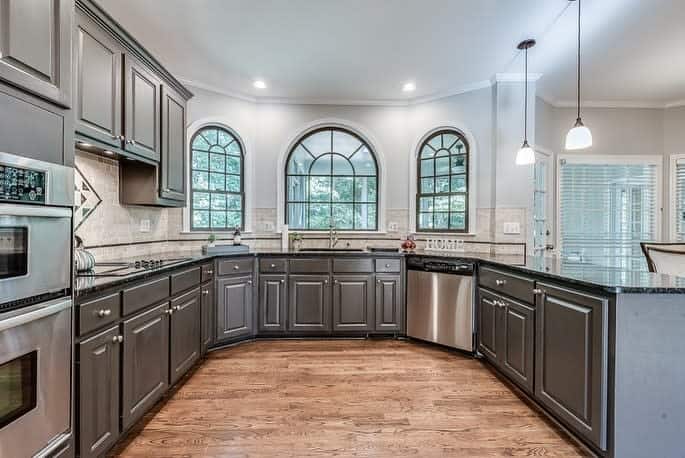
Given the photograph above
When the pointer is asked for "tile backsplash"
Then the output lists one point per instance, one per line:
(114, 231)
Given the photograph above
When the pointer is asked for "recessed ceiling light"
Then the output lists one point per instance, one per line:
(259, 84)
(409, 87)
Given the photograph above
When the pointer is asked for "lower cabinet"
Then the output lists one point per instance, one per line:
(272, 303)
(309, 304)
(389, 303)
(145, 362)
(185, 334)
(571, 359)
(207, 316)
(98, 381)
(507, 336)
(234, 308)
(353, 303)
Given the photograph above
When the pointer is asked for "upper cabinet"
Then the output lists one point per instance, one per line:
(128, 104)
(35, 47)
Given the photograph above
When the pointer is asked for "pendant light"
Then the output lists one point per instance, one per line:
(525, 155)
(579, 137)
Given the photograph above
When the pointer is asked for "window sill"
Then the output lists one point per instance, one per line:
(443, 234)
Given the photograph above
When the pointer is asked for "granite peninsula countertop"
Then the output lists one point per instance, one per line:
(607, 279)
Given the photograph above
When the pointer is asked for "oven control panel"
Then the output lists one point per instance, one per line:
(21, 185)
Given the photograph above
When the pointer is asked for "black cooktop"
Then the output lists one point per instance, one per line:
(124, 268)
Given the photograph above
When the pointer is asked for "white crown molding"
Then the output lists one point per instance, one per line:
(451, 92)
(217, 90)
(339, 102)
(612, 104)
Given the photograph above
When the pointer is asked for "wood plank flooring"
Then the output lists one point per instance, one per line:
(364, 398)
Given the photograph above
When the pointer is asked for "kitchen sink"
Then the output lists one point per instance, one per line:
(344, 250)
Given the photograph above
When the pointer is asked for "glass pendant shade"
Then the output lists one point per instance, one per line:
(525, 155)
(579, 137)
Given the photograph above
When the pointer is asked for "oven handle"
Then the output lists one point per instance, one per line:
(35, 210)
(35, 312)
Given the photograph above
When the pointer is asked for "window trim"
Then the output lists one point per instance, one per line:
(673, 160)
(364, 142)
(467, 178)
(618, 159)
(243, 200)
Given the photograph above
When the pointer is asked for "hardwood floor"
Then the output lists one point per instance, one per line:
(344, 398)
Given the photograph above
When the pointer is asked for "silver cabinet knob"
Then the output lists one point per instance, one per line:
(169, 312)
(236, 267)
(500, 282)
(537, 291)
(205, 292)
(378, 281)
(177, 308)
(104, 313)
(117, 339)
(273, 266)
(336, 281)
(387, 266)
(249, 282)
(118, 137)
(210, 272)
(325, 282)
(282, 281)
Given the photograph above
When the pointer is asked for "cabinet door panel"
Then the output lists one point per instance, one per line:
(208, 307)
(234, 308)
(142, 101)
(173, 146)
(353, 303)
(185, 336)
(518, 337)
(272, 303)
(571, 359)
(309, 303)
(98, 393)
(488, 316)
(97, 83)
(35, 46)
(145, 369)
(389, 303)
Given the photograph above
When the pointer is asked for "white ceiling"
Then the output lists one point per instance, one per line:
(365, 50)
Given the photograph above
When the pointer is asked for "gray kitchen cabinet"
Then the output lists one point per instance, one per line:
(234, 308)
(97, 83)
(272, 303)
(353, 303)
(207, 314)
(142, 96)
(518, 339)
(309, 304)
(184, 333)
(506, 336)
(35, 48)
(98, 392)
(571, 359)
(488, 335)
(172, 160)
(145, 362)
(389, 303)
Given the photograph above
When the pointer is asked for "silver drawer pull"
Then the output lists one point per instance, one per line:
(117, 339)
(205, 292)
(500, 282)
(210, 272)
(236, 267)
(249, 282)
(282, 281)
(169, 312)
(104, 313)
(537, 291)
(273, 266)
(177, 308)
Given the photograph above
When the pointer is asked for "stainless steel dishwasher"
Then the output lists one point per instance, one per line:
(440, 299)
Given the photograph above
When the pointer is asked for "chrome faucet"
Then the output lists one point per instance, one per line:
(332, 236)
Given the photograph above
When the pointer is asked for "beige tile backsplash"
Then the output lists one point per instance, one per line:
(113, 231)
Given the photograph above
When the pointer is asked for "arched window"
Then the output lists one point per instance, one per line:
(332, 179)
(216, 194)
(443, 183)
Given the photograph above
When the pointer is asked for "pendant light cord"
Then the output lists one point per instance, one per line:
(579, 59)
(525, 101)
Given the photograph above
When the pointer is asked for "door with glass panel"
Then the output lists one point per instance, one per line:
(678, 198)
(542, 201)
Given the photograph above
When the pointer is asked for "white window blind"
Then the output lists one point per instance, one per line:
(679, 213)
(606, 210)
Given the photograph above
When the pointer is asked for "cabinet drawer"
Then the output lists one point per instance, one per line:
(185, 280)
(235, 266)
(308, 266)
(273, 265)
(207, 272)
(512, 285)
(141, 296)
(388, 265)
(99, 312)
(353, 265)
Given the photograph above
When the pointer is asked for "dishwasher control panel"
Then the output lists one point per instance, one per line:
(441, 266)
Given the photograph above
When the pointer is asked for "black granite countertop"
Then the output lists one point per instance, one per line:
(551, 268)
